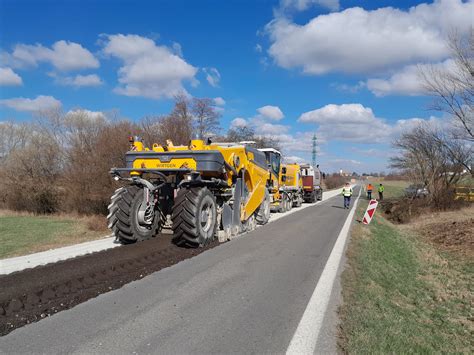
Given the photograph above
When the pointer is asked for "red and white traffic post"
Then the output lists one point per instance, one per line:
(370, 211)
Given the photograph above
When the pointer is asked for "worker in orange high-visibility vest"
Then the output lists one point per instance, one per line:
(370, 188)
(347, 193)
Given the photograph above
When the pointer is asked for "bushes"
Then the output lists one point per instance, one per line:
(29, 177)
(334, 181)
(64, 164)
(61, 162)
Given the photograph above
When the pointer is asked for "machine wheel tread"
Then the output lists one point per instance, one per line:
(186, 211)
(120, 219)
(263, 214)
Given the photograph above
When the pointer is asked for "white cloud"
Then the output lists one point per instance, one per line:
(406, 81)
(213, 76)
(347, 162)
(290, 159)
(266, 128)
(347, 122)
(239, 122)
(83, 113)
(9, 78)
(360, 41)
(177, 49)
(258, 48)
(302, 5)
(339, 114)
(219, 101)
(352, 89)
(40, 103)
(148, 70)
(358, 124)
(271, 112)
(81, 80)
(63, 55)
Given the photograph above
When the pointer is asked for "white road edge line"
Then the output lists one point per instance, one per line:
(305, 338)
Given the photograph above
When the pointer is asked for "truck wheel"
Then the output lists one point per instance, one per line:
(299, 201)
(289, 203)
(320, 195)
(263, 213)
(194, 217)
(123, 216)
(312, 199)
(283, 206)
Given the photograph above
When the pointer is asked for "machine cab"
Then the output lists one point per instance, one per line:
(273, 158)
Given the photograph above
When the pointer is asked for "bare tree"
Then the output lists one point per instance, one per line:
(426, 161)
(151, 130)
(206, 117)
(30, 176)
(453, 88)
(239, 134)
(13, 136)
(245, 133)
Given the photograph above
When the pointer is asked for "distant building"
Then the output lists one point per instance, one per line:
(344, 173)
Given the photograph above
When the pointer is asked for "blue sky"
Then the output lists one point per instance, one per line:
(345, 70)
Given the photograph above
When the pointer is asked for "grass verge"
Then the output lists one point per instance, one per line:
(22, 234)
(404, 295)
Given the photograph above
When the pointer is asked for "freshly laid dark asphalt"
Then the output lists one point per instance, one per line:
(245, 296)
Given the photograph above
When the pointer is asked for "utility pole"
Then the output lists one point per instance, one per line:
(314, 151)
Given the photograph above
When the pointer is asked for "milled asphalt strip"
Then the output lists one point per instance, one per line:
(7, 266)
(304, 340)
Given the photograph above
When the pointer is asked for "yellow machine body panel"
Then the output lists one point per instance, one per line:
(236, 157)
(174, 163)
(293, 176)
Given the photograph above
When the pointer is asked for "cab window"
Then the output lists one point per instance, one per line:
(275, 163)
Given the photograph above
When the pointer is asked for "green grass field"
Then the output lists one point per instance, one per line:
(24, 234)
(395, 188)
(402, 295)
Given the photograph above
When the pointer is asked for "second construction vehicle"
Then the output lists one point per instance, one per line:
(311, 183)
(291, 183)
(206, 189)
(284, 182)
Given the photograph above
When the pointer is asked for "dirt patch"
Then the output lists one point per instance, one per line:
(402, 210)
(455, 236)
(449, 230)
(31, 295)
(451, 235)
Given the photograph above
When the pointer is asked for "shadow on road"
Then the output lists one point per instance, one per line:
(338, 207)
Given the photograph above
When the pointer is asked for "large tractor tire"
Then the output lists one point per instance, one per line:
(194, 217)
(123, 216)
(263, 212)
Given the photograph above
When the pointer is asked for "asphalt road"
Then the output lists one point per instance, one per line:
(245, 296)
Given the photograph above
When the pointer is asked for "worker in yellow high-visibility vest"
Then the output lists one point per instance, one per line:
(381, 189)
(347, 193)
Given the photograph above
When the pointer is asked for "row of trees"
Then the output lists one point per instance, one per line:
(439, 155)
(60, 161)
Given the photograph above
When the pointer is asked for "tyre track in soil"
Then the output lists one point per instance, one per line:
(33, 294)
